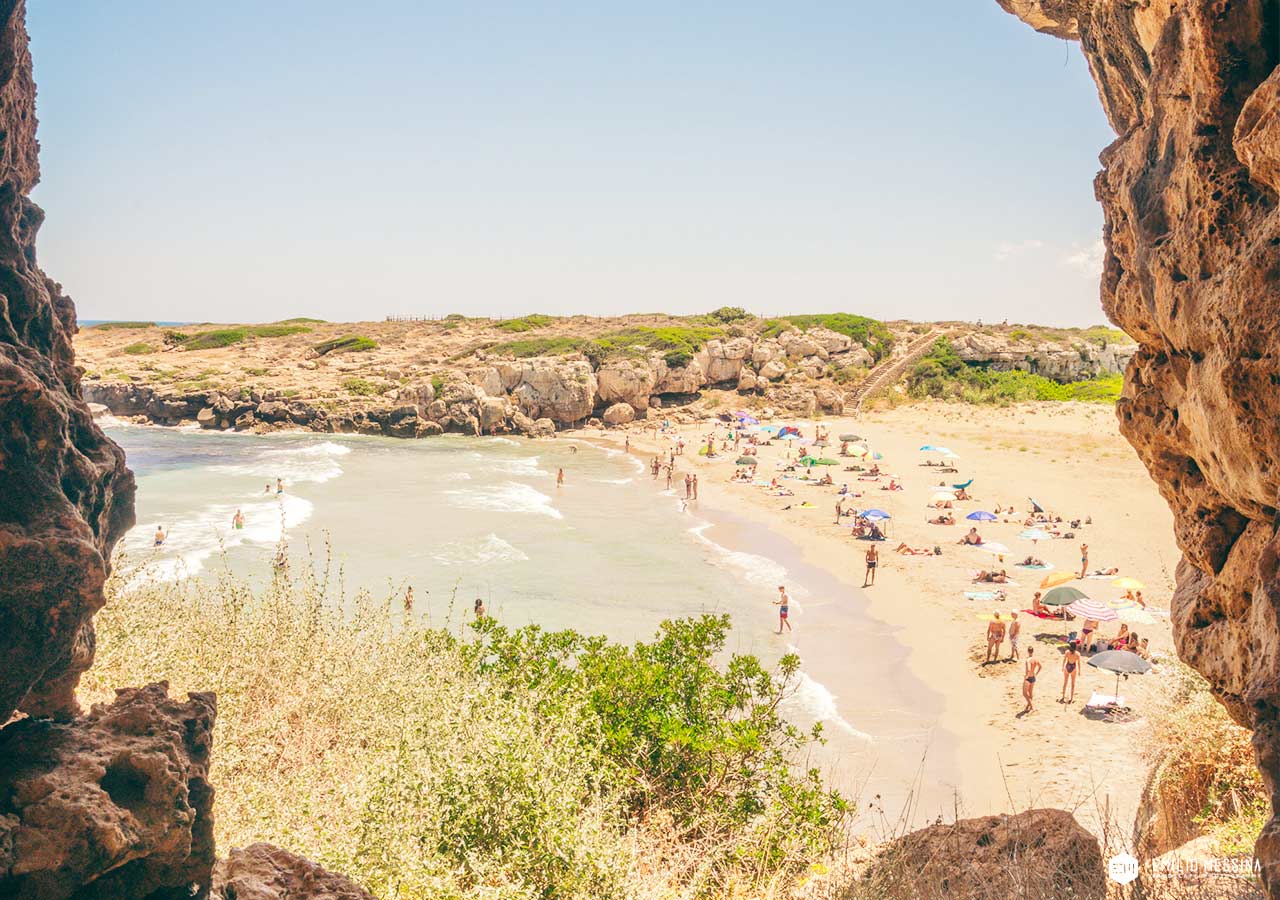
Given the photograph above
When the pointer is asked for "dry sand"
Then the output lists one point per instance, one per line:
(1072, 460)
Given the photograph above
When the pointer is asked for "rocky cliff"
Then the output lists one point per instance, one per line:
(419, 379)
(1189, 190)
(116, 803)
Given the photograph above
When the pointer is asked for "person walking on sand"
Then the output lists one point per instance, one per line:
(670, 469)
(995, 637)
(1029, 679)
(626, 443)
(560, 478)
(1015, 629)
(1084, 560)
(784, 604)
(839, 509)
(695, 487)
(1070, 665)
(873, 559)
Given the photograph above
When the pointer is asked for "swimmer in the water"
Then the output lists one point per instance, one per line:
(237, 521)
(279, 485)
(160, 536)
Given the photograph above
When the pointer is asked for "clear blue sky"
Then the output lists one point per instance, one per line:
(250, 161)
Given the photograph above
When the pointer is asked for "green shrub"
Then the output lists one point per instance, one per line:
(524, 323)
(870, 333)
(121, 326)
(272, 331)
(212, 340)
(1019, 334)
(362, 387)
(728, 314)
(139, 349)
(175, 337)
(550, 346)
(302, 320)
(511, 763)
(944, 375)
(347, 344)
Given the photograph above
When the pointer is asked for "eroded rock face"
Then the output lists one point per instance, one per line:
(1193, 273)
(1037, 853)
(116, 804)
(264, 872)
(65, 494)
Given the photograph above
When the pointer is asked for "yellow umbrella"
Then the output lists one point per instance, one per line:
(1129, 584)
(1053, 579)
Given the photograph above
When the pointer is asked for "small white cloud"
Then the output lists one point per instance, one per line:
(1005, 250)
(1087, 259)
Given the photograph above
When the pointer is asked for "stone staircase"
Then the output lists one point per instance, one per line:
(891, 370)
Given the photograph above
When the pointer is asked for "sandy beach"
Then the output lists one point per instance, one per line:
(984, 757)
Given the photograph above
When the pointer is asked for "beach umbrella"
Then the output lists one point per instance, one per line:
(746, 461)
(748, 420)
(961, 487)
(824, 461)
(928, 448)
(994, 547)
(876, 515)
(981, 515)
(939, 496)
(821, 443)
(1122, 662)
(807, 460)
(1063, 596)
(768, 429)
(850, 437)
(1135, 615)
(1035, 534)
(1128, 584)
(1091, 609)
(1053, 579)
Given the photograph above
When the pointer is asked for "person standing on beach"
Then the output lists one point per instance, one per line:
(1015, 629)
(873, 560)
(670, 471)
(995, 637)
(1070, 664)
(1029, 680)
(408, 601)
(839, 509)
(688, 486)
(237, 521)
(695, 487)
(279, 485)
(626, 444)
(560, 478)
(784, 604)
(479, 608)
(160, 536)
(1084, 560)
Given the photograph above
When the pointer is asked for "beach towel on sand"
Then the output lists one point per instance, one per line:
(1042, 568)
(981, 595)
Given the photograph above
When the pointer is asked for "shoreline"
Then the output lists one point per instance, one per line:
(1055, 756)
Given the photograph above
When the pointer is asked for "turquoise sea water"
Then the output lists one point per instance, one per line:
(611, 552)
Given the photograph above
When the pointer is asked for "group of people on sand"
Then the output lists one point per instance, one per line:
(999, 630)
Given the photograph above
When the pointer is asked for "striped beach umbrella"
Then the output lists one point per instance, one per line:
(1092, 609)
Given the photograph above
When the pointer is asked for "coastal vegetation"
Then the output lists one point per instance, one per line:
(138, 349)
(225, 337)
(426, 761)
(363, 387)
(943, 375)
(676, 343)
(870, 333)
(122, 326)
(524, 323)
(349, 343)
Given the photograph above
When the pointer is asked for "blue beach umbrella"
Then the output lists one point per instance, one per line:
(981, 515)
(876, 515)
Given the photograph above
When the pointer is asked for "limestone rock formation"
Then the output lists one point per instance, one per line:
(629, 381)
(65, 494)
(264, 872)
(619, 414)
(116, 804)
(1060, 362)
(1192, 271)
(561, 390)
(1037, 853)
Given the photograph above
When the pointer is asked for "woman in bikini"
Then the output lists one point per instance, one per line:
(1070, 665)
(1029, 681)
(1086, 630)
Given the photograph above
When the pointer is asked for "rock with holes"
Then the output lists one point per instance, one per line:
(1037, 853)
(1192, 272)
(264, 872)
(116, 804)
(628, 381)
(65, 494)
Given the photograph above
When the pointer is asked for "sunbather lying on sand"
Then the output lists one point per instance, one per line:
(991, 577)
(912, 551)
(1032, 562)
(944, 519)
(1113, 570)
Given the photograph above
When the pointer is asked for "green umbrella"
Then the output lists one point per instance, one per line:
(826, 462)
(808, 461)
(1063, 596)
(745, 461)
